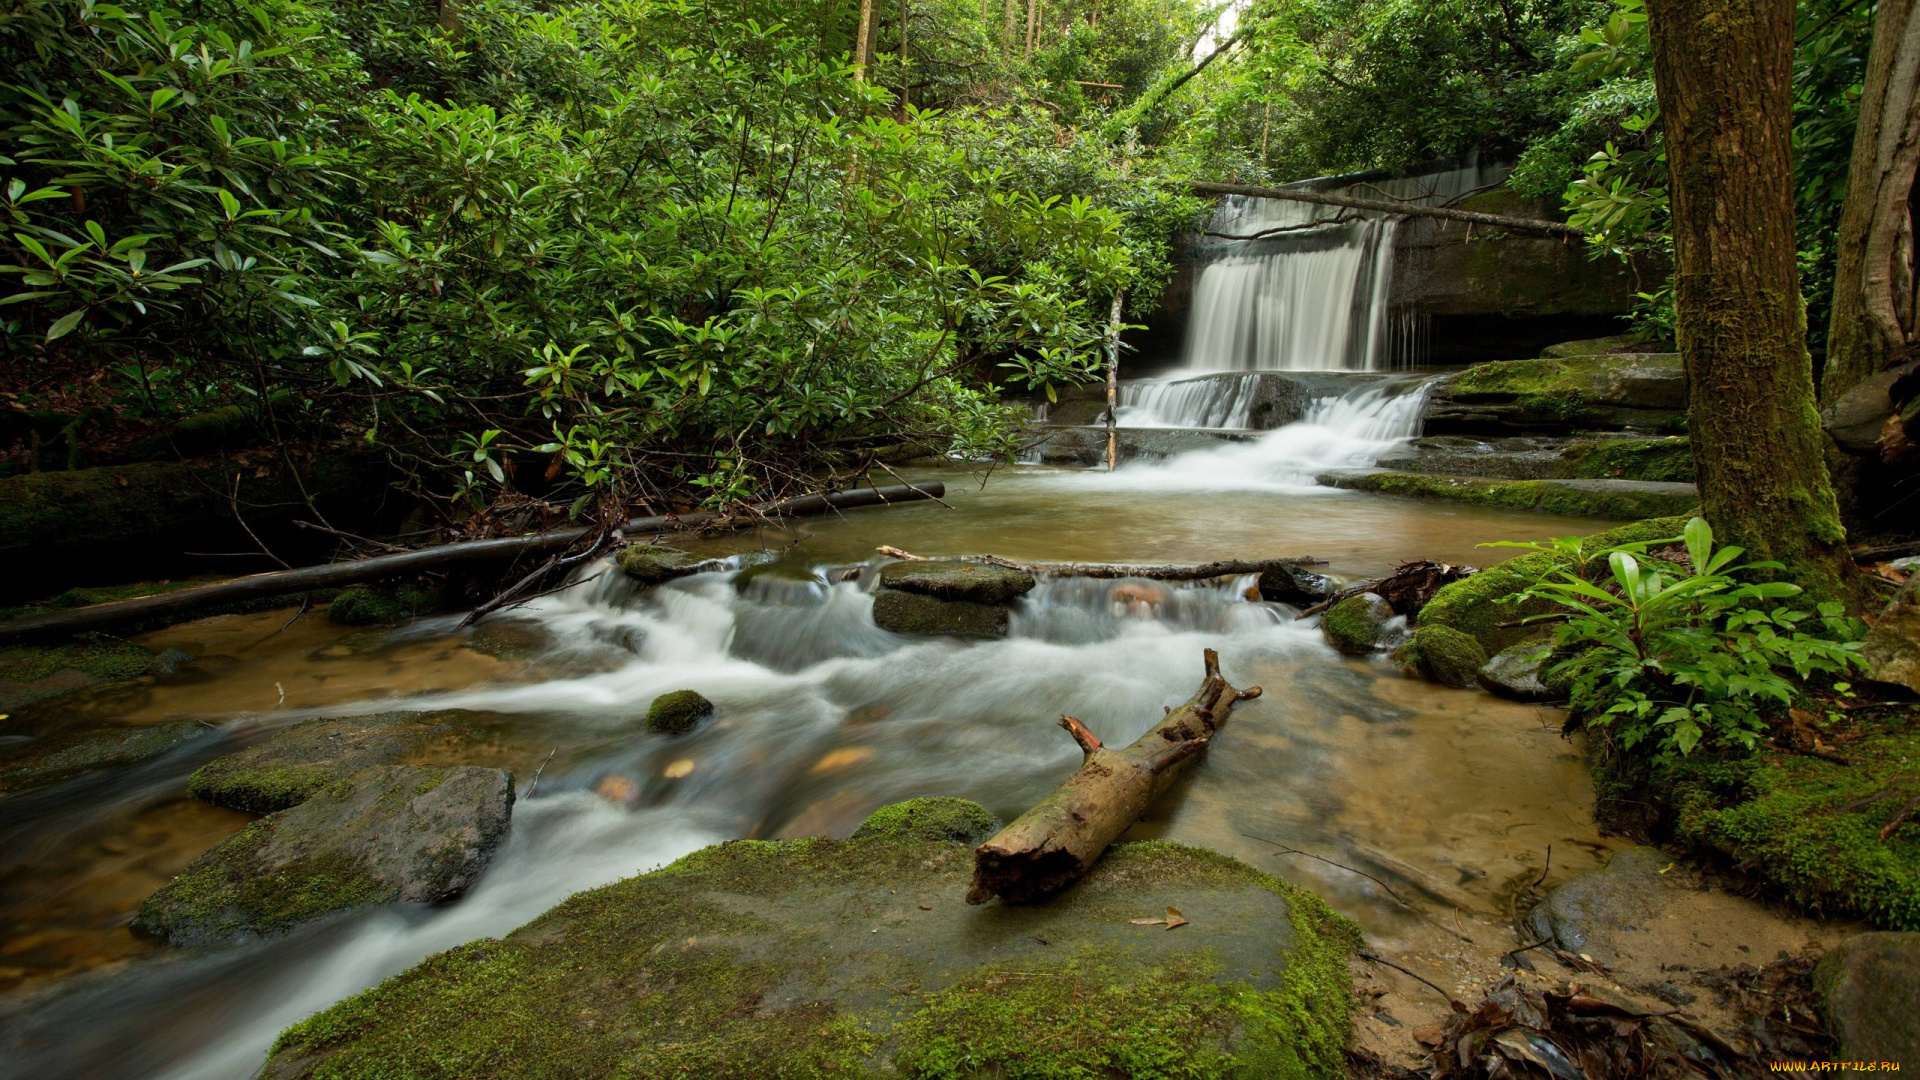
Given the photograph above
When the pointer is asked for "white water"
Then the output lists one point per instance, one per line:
(1188, 403)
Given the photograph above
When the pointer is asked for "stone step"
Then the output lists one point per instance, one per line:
(1627, 500)
(1087, 444)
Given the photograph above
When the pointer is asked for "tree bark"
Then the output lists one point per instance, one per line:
(860, 43)
(1874, 279)
(1054, 843)
(1723, 73)
(1113, 380)
(1033, 27)
(331, 575)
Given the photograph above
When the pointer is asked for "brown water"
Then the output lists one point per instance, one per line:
(1423, 805)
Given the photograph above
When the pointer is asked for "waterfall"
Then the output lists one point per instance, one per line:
(1300, 287)
(1189, 403)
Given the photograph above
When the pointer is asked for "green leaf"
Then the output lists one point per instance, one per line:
(66, 323)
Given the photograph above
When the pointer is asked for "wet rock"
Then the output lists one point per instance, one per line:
(774, 581)
(1514, 672)
(1584, 915)
(510, 639)
(1870, 990)
(1355, 625)
(382, 604)
(399, 834)
(1892, 648)
(1644, 392)
(1290, 583)
(34, 673)
(294, 764)
(1623, 499)
(651, 564)
(978, 583)
(678, 712)
(914, 613)
(61, 757)
(939, 818)
(1443, 655)
(822, 957)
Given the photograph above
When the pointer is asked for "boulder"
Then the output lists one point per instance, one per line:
(1442, 654)
(296, 763)
(399, 834)
(1355, 625)
(383, 603)
(938, 818)
(1290, 583)
(977, 583)
(1892, 648)
(678, 712)
(1869, 987)
(651, 564)
(860, 957)
(1644, 392)
(61, 757)
(1623, 499)
(33, 673)
(1584, 915)
(1861, 414)
(1514, 672)
(915, 613)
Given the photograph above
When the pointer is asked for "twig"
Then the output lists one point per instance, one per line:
(552, 564)
(233, 500)
(535, 786)
(306, 602)
(1296, 851)
(1548, 865)
(1900, 818)
(1378, 959)
(344, 535)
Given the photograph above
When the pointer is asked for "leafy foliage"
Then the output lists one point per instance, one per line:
(1674, 658)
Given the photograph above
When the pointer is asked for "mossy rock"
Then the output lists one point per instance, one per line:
(61, 757)
(389, 835)
(915, 613)
(979, 583)
(1630, 499)
(651, 564)
(32, 673)
(1637, 391)
(1518, 672)
(1666, 460)
(942, 818)
(1604, 346)
(1354, 625)
(1474, 605)
(678, 712)
(1869, 986)
(382, 604)
(860, 958)
(294, 764)
(1442, 654)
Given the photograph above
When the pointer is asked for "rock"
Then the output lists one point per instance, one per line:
(1624, 499)
(940, 818)
(1355, 625)
(914, 613)
(1892, 648)
(978, 583)
(399, 834)
(32, 673)
(1644, 392)
(510, 639)
(859, 957)
(1601, 346)
(1870, 990)
(1582, 915)
(651, 564)
(1289, 583)
(1857, 419)
(382, 603)
(296, 763)
(48, 761)
(678, 712)
(1514, 672)
(1442, 654)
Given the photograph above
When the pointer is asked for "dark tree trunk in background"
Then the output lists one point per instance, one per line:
(1723, 71)
(1873, 287)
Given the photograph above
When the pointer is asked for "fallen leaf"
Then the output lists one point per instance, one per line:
(1174, 918)
(1431, 1035)
(926, 907)
(678, 769)
(617, 789)
(1148, 922)
(845, 757)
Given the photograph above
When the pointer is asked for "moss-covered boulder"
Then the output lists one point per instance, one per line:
(294, 764)
(1667, 460)
(1869, 988)
(916, 613)
(1355, 625)
(389, 835)
(1645, 392)
(1442, 654)
(678, 712)
(942, 818)
(651, 564)
(61, 757)
(1474, 606)
(979, 583)
(382, 604)
(1626, 499)
(31, 673)
(861, 958)
(1515, 672)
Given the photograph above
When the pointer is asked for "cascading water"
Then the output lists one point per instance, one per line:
(1189, 403)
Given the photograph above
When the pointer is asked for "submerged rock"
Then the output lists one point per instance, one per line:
(510, 639)
(382, 604)
(389, 835)
(48, 761)
(940, 818)
(1892, 648)
(33, 673)
(292, 765)
(678, 712)
(1583, 915)
(651, 564)
(979, 583)
(914, 613)
(1443, 655)
(1514, 672)
(860, 958)
(1355, 625)
(1870, 989)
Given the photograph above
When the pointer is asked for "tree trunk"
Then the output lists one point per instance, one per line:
(1873, 286)
(1054, 843)
(1033, 27)
(1723, 71)
(1013, 16)
(1113, 380)
(449, 17)
(860, 42)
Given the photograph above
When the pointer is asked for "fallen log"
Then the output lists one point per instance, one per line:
(333, 575)
(1162, 572)
(1387, 206)
(1051, 845)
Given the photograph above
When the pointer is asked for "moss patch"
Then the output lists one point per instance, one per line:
(1667, 460)
(651, 564)
(913, 613)
(226, 892)
(1443, 655)
(940, 818)
(824, 958)
(46, 761)
(1353, 625)
(382, 604)
(678, 712)
(97, 657)
(1573, 498)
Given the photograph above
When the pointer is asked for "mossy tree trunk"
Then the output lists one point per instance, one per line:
(1723, 71)
(1874, 280)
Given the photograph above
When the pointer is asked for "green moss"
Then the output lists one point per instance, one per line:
(937, 818)
(225, 892)
(46, 761)
(1443, 655)
(1353, 625)
(678, 712)
(382, 604)
(1668, 460)
(258, 791)
(913, 613)
(98, 657)
(1568, 498)
(651, 564)
(1618, 343)
(1472, 605)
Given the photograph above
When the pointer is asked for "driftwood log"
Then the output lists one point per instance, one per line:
(1166, 572)
(331, 575)
(1054, 843)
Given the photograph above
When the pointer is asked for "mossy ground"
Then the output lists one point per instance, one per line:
(823, 958)
(46, 761)
(97, 657)
(1544, 496)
